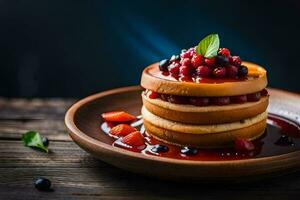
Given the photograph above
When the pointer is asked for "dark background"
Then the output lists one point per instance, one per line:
(76, 48)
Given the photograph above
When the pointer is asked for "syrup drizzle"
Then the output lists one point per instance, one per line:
(281, 136)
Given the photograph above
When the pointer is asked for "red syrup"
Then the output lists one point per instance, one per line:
(281, 136)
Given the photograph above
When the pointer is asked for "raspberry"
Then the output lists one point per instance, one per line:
(219, 72)
(224, 51)
(199, 101)
(210, 62)
(186, 62)
(174, 69)
(197, 60)
(185, 54)
(231, 71)
(185, 70)
(153, 95)
(236, 61)
(203, 71)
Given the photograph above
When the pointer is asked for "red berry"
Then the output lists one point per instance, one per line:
(134, 139)
(210, 62)
(186, 78)
(185, 54)
(231, 71)
(118, 116)
(185, 70)
(253, 97)
(219, 72)
(197, 60)
(122, 130)
(236, 61)
(243, 145)
(186, 62)
(203, 71)
(174, 69)
(153, 95)
(221, 101)
(224, 51)
(238, 99)
(177, 99)
(199, 101)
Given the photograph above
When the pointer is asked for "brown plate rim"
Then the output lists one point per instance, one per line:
(73, 129)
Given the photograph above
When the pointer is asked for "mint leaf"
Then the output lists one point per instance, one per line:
(33, 139)
(208, 47)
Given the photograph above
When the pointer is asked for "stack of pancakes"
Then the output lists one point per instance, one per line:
(208, 126)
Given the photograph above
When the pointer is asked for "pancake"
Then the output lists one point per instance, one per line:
(207, 114)
(256, 81)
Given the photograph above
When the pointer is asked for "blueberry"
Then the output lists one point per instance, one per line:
(45, 141)
(221, 60)
(163, 65)
(243, 71)
(189, 151)
(285, 140)
(160, 149)
(42, 184)
(174, 58)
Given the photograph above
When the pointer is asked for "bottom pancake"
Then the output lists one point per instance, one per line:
(210, 140)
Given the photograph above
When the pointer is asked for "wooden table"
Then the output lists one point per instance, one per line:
(77, 175)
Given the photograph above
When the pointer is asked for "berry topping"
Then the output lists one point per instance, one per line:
(189, 151)
(243, 71)
(210, 61)
(163, 65)
(219, 72)
(236, 61)
(224, 52)
(122, 130)
(153, 95)
(174, 70)
(199, 101)
(164, 97)
(197, 60)
(238, 99)
(264, 93)
(160, 148)
(177, 99)
(118, 116)
(253, 97)
(243, 145)
(203, 71)
(231, 71)
(221, 60)
(185, 54)
(134, 139)
(185, 70)
(186, 62)
(220, 101)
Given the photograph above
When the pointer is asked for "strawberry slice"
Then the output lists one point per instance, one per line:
(134, 139)
(243, 145)
(122, 130)
(118, 116)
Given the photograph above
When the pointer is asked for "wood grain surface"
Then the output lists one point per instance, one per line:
(77, 175)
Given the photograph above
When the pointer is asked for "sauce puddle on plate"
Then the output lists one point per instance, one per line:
(281, 136)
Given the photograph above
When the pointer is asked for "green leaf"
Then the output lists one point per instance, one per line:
(33, 139)
(208, 47)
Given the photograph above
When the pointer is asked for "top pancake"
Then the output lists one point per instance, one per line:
(256, 81)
